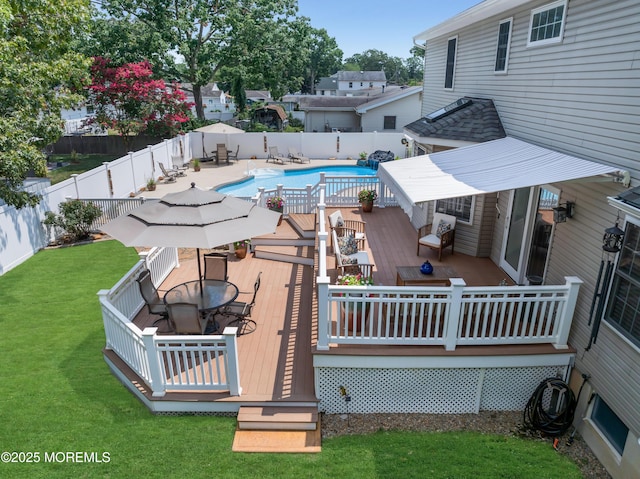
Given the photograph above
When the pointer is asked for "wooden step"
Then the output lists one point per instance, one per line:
(291, 254)
(304, 224)
(278, 441)
(278, 429)
(278, 418)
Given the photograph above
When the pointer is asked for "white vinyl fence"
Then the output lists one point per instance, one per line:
(22, 233)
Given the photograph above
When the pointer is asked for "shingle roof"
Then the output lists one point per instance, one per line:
(478, 122)
(344, 75)
(327, 83)
(320, 101)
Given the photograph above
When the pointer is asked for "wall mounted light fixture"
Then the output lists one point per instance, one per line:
(562, 212)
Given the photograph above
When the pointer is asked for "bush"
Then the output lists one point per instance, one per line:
(75, 218)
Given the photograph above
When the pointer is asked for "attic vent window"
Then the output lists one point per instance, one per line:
(447, 110)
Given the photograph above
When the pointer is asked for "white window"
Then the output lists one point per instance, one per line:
(452, 45)
(461, 208)
(623, 308)
(547, 23)
(504, 41)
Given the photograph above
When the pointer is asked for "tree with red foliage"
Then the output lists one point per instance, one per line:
(129, 100)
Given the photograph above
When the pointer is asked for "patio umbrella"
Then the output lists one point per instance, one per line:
(216, 128)
(194, 218)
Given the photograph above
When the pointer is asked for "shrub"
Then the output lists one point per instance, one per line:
(75, 217)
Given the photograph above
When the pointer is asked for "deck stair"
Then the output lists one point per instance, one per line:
(277, 429)
(292, 242)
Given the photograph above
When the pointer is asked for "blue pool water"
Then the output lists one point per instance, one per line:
(271, 177)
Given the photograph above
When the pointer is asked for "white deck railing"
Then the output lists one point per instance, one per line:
(436, 315)
(166, 363)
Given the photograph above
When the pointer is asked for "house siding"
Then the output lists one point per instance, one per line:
(581, 97)
(405, 110)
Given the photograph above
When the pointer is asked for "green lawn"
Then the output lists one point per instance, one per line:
(59, 396)
(78, 164)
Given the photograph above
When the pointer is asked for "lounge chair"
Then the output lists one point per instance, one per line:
(241, 311)
(295, 156)
(170, 175)
(187, 319)
(275, 156)
(178, 163)
(440, 234)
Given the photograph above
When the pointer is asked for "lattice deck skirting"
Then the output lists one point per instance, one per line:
(429, 390)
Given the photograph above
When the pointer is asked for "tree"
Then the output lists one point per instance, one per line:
(324, 59)
(39, 75)
(128, 99)
(255, 38)
(397, 70)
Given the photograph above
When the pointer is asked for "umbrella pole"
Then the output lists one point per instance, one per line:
(199, 270)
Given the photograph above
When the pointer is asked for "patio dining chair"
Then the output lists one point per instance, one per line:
(222, 154)
(151, 298)
(233, 156)
(241, 311)
(187, 319)
(215, 266)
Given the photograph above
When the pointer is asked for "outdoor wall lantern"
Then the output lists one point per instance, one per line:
(561, 213)
(612, 239)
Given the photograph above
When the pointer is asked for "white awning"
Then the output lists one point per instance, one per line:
(497, 165)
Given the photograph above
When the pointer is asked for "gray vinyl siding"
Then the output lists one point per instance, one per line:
(580, 97)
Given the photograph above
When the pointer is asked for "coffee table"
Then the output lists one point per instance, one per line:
(411, 276)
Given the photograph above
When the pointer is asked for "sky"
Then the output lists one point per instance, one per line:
(385, 25)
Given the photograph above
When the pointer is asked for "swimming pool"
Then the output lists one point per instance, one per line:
(270, 177)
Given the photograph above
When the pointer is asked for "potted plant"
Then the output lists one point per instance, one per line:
(196, 164)
(366, 198)
(354, 317)
(363, 155)
(241, 247)
(276, 203)
(151, 184)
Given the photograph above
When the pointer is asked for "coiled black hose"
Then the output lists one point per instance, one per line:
(551, 408)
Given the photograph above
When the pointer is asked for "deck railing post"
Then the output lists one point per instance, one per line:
(155, 371)
(453, 313)
(323, 313)
(233, 366)
(562, 334)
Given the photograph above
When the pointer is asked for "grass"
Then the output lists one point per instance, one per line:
(59, 396)
(79, 164)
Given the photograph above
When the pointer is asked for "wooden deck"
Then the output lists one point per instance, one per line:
(276, 359)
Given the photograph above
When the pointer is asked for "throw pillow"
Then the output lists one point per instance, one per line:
(443, 227)
(347, 260)
(347, 245)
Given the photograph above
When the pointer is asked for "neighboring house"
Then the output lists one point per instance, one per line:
(257, 96)
(216, 103)
(563, 75)
(350, 83)
(387, 111)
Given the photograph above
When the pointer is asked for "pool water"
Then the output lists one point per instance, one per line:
(269, 178)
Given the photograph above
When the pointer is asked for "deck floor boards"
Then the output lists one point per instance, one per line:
(276, 359)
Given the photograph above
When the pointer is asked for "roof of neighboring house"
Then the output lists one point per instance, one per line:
(477, 122)
(210, 89)
(344, 75)
(257, 95)
(391, 95)
(320, 102)
(475, 14)
(327, 83)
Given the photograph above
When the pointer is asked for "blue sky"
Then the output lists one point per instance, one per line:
(386, 25)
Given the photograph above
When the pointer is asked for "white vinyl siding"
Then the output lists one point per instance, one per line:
(502, 50)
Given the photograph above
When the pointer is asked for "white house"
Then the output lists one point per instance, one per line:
(564, 76)
(350, 83)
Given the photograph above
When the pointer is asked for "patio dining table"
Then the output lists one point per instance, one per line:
(208, 294)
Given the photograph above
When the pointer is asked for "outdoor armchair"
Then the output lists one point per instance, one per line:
(439, 234)
(339, 224)
(241, 311)
(215, 266)
(151, 298)
(187, 319)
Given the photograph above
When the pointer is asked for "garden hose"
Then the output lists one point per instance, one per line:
(551, 408)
